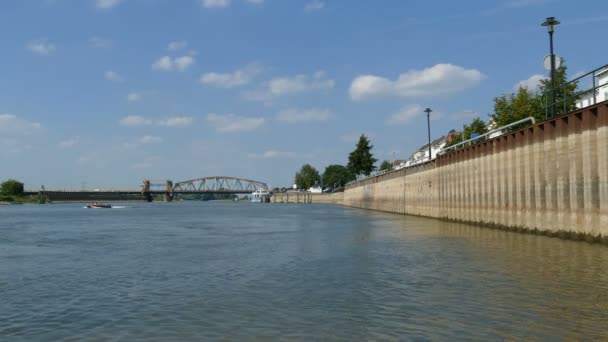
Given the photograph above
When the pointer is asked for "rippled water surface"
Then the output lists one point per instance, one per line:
(242, 271)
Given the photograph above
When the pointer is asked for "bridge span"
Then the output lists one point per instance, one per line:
(153, 188)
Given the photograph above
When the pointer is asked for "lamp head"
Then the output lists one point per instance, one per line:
(550, 22)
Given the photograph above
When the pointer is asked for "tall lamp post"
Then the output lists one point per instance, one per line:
(550, 23)
(428, 124)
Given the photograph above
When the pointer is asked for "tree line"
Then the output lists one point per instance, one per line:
(508, 108)
(361, 161)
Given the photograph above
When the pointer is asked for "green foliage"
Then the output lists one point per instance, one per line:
(562, 91)
(361, 160)
(386, 166)
(337, 175)
(11, 187)
(4, 198)
(512, 107)
(307, 177)
(476, 126)
(509, 108)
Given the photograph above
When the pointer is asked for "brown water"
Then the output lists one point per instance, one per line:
(241, 271)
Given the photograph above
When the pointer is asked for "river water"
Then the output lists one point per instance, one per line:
(243, 271)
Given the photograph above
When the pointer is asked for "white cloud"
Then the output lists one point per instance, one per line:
(531, 83)
(69, 143)
(232, 79)
(113, 76)
(406, 115)
(439, 79)
(272, 154)
(177, 45)
(107, 4)
(135, 120)
(178, 121)
(314, 5)
(41, 47)
(215, 3)
(134, 97)
(167, 63)
(100, 43)
(282, 86)
(16, 134)
(150, 139)
(12, 125)
(230, 123)
(296, 115)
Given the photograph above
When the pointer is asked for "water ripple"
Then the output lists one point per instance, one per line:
(224, 271)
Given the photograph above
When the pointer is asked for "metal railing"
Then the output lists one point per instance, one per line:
(547, 104)
(500, 129)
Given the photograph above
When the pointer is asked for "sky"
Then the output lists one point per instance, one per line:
(106, 93)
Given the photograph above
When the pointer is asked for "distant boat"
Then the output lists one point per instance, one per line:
(260, 196)
(98, 206)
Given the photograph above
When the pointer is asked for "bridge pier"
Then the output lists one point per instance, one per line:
(169, 191)
(145, 191)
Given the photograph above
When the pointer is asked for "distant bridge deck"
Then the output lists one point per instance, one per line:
(206, 185)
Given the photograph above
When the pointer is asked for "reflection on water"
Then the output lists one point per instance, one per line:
(301, 272)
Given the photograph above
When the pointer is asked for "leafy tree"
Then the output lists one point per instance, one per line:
(476, 126)
(512, 107)
(386, 166)
(337, 175)
(361, 160)
(509, 108)
(11, 187)
(307, 177)
(562, 91)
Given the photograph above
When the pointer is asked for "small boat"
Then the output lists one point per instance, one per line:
(98, 206)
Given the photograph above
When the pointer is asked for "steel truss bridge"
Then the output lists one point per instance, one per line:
(219, 185)
(205, 185)
(166, 188)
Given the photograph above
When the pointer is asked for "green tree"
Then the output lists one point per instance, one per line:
(509, 108)
(562, 91)
(386, 166)
(337, 175)
(512, 107)
(476, 126)
(307, 177)
(361, 160)
(11, 187)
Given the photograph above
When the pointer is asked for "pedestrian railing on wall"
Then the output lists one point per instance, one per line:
(500, 130)
(588, 96)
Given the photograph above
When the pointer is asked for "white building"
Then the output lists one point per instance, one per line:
(422, 154)
(601, 94)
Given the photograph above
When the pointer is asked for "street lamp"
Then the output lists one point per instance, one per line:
(551, 22)
(428, 123)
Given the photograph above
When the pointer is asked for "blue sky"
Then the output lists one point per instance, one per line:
(105, 93)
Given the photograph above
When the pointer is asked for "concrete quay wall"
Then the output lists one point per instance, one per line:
(304, 197)
(551, 177)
